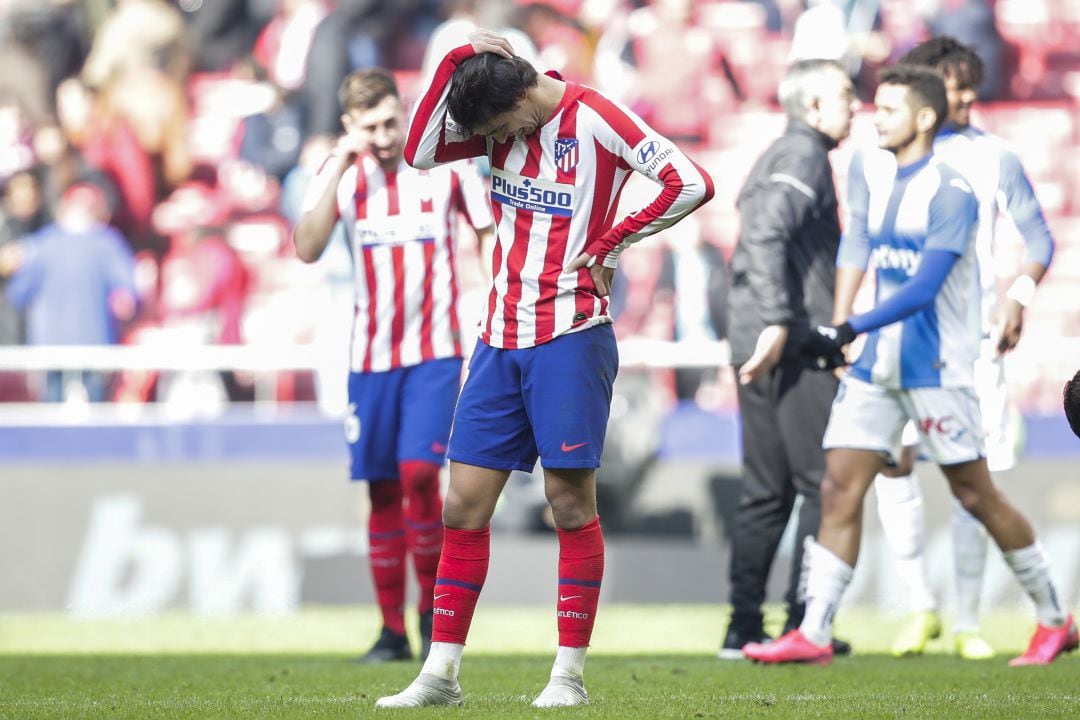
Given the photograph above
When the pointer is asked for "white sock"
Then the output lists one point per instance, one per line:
(444, 660)
(570, 662)
(900, 507)
(826, 580)
(1033, 571)
(969, 558)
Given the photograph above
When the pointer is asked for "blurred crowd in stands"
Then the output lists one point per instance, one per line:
(153, 153)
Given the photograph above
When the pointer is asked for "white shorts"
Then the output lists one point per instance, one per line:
(870, 417)
(1000, 428)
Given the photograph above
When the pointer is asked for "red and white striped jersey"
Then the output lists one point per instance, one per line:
(552, 192)
(402, 226)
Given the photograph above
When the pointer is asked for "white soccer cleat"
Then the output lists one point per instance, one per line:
(425, 691)
(562, 691)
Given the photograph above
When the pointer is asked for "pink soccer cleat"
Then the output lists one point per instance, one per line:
(1047, 643)
(794, 647)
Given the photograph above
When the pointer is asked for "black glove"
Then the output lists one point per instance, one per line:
(825, 345)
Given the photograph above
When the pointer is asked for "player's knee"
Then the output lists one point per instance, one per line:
(840, 498)
(569, 509)
(384, 495)
(419, 478)
(971, 500)
(962, 515)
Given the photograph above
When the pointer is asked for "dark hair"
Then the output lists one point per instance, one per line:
(364, 89)
(1071, 397)
(925, 88)
(950, 57)
(487, 85)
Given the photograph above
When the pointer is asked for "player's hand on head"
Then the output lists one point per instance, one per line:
(825, 345)
(483, 41)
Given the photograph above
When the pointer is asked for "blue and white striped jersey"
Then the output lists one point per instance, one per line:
(895, 214)
(998, 180)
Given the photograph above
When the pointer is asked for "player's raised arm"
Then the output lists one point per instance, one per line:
(435, 137)
(319, 208)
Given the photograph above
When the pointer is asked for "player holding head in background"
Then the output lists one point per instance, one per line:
(1071, 398)
(540, 381)
(405, 354)
(917, 218)
(999, 183)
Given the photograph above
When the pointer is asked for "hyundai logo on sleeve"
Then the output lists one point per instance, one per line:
(653, 156)
(645, 154)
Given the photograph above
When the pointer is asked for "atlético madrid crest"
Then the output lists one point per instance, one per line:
(566, 153)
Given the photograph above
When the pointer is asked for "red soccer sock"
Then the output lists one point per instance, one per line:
(386, 541)
(581, 569)
(423, 524)
(462, 570)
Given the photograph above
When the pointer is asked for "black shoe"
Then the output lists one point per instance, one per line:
(841, 647)
(737, 637)
(390, 647)
(427, 620)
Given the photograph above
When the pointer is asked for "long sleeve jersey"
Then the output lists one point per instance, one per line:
(554, 195)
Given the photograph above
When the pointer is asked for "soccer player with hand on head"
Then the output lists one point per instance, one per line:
(915, 217)
(540, 381)
(406, 353)
(996, 177)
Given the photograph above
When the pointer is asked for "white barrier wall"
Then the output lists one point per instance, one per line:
(113, 538)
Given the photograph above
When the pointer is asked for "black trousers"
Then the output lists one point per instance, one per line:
(784, 415)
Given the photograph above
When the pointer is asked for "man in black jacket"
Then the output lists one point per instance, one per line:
(783, 281)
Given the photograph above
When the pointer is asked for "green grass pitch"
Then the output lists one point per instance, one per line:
(646, 662)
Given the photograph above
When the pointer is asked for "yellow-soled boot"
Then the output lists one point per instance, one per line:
(920, 629)
(972, 647)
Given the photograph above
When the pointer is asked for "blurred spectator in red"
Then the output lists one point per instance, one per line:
(137, 67)
(203, 280)
(75, 278)
(642, 298)
(658, 61)
(156, 107)
(283, 45)
(560, 39)
(106, 141)
(202, 288)
(23, 213)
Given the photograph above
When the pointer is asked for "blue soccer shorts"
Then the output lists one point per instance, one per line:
(401, 414)
(550, 401)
